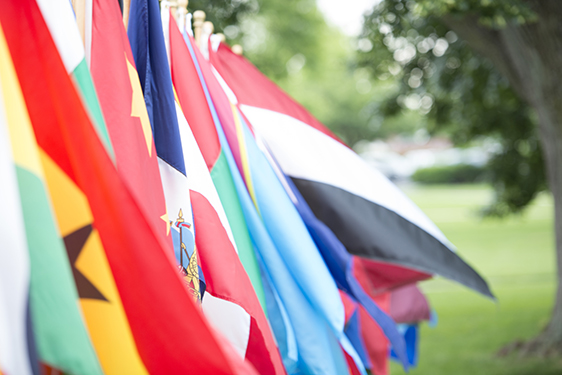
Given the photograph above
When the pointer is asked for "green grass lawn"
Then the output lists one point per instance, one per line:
(516, 257)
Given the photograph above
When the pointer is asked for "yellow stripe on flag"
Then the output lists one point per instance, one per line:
(106, 320)
(244, 155)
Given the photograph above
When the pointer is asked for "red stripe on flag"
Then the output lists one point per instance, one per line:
(226, 279)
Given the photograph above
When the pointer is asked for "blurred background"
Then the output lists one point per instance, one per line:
(424, 96)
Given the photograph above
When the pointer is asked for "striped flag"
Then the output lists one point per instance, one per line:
(222, 178)
(62, 340)
(317, 321)
(14, 259)
(373, 219)
(137, 274)
(147, 42)
(231, 303)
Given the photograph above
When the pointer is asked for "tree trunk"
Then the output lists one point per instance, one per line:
(530, 57)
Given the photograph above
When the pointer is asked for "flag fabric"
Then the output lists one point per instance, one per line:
(408, 304)
(353, 327)
(121, 98)
(368, 214)
(147, 43)
(14, 259)
(158, 308)
(411, 336)
(221, 176)
(61, 337)
(59, 16)
(376, 343)
(231, 303)
(314, 319)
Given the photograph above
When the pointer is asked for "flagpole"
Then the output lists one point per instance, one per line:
(126, 8)
(237, 49)
(206, 33)
(198, 20)
(80, 12)
(179, 11)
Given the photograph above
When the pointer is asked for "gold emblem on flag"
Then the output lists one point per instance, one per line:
(190, 272)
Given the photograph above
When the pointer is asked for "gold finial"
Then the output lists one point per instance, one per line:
(172, 5)
(208, 27)
(79, 7)
(198, 20)
(180, 217)
(237, 49)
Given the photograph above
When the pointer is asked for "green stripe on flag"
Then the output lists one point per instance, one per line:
(227, 192)
(60, 334)
(82, 77)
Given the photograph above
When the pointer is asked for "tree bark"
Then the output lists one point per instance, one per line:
(530, 57)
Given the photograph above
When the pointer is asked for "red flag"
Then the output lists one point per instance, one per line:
(122, 102)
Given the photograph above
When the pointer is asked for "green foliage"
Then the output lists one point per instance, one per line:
(290, 42)
(461, 93)
(223, 13)
(449, 174)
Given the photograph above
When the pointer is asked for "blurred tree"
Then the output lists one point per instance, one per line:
(484, 68)
(291, 43)
(223, 13)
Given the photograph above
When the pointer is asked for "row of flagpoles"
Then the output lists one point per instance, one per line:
(205, 222)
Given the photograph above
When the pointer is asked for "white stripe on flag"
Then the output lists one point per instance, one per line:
(304, 152)
(198, 174)
(230, 319)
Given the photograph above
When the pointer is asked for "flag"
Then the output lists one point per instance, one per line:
(231, 303)
(317, 321)
(411, 336)
(15, 327)
(62, 339)
(59, 16)
(408, 304)
(121, 99)
(147, 43)
(157, 306)
(368, 214)
(353, 327)
(220, 173)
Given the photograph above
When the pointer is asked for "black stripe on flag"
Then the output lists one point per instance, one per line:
(372, 231)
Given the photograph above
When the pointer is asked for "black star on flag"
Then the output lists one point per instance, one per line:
(74, 243)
